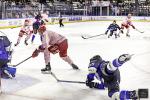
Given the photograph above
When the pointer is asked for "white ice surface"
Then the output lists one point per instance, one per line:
(30, 84)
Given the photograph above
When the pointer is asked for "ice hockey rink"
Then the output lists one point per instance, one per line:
(31, 84)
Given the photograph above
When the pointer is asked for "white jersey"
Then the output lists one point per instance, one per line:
(27, 29)
(127, 21)
(51, 38)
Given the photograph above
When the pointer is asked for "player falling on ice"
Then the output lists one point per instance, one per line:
(40, 19)
(109, 76)
(25, 30)
(126, 24)
(113, 29)
(52, 43)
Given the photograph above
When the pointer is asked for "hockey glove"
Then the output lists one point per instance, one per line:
(93, 84)
(54, 49)
(89, 84)
(35, 53)
(124, 58)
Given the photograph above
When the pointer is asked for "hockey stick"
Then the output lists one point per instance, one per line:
(54, 76)
(66, 81)
(139, 30)
(3, 33)
(22, 61)
(91, 36)
(71, 81)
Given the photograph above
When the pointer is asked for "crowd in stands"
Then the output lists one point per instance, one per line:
(30, 9)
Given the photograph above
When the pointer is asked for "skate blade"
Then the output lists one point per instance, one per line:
(46, 72)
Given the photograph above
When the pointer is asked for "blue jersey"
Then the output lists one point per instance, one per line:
(108, 74)
(103, 72)
(4, 42)
(113, 27)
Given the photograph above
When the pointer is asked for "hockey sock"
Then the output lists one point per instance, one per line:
(33, 37)
(67, 59)
(41, 38)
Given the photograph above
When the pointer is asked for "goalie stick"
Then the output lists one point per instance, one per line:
(91, 36)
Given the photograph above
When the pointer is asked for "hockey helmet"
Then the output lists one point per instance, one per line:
(26, 20)
(129, 15)
(114, 21)
(97, 58)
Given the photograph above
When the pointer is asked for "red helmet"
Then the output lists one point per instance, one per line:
(42, 28)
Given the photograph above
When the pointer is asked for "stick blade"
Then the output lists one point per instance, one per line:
(83, 37)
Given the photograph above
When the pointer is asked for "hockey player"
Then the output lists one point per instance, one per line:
(25, 30)
(5, 53)
(61, 21)
(108, 74)
(113, 29)
(36, 25)
(126, 24)
(52, 43)
(41, 19)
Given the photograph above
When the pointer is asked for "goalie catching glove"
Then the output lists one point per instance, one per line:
(54, 49)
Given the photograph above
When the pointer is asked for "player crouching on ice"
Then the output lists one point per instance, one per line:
(52, 43)
(113, 29)
(5, 57)
(108, 74)
(25, 30)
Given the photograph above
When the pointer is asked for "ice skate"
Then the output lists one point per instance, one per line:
(25, 42)
(74, 66)
(47, 69)
(127, 35)
(16, 44)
